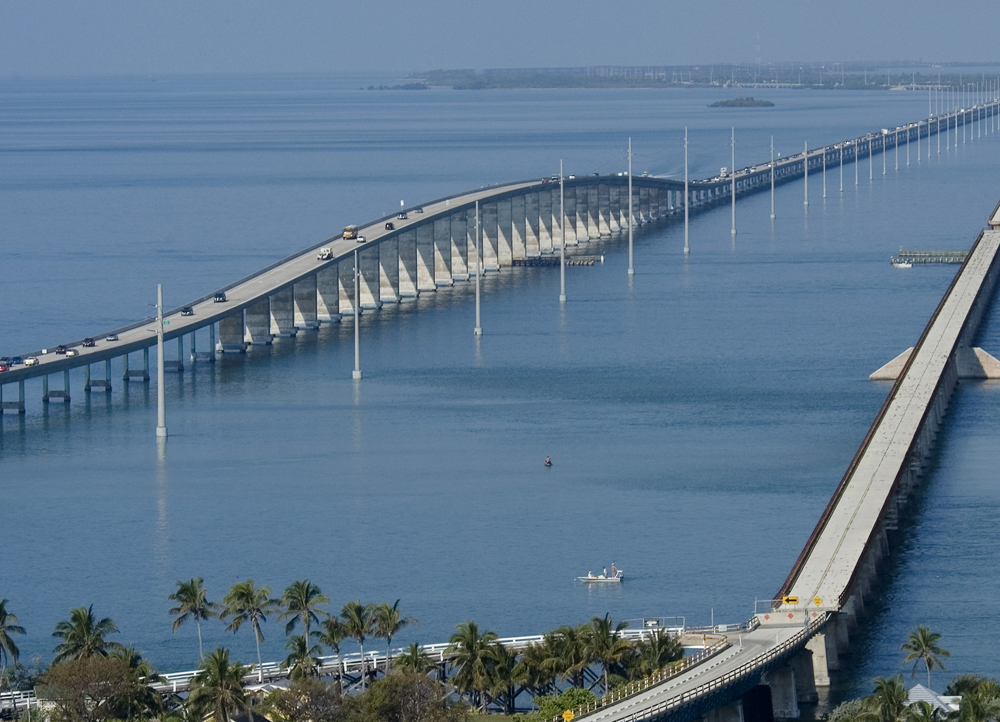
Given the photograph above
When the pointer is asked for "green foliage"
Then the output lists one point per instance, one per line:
(217, 691)
(306, 700)
(403, 697)
(8, 626)
(94, 689)
(552, 705)
(20, 676)
(923, 647)
(964, 684)
(850, 711)
(82, 636)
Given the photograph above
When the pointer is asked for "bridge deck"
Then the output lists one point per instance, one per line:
(841, 545)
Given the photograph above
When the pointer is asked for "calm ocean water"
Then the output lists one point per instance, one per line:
(698, 415)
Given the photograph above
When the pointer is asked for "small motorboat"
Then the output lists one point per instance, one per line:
(616, 576)
(901, 264)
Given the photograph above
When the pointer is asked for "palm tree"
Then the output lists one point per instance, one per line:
(143, 702)
(8, 626)
(923, 712)
(218, 687)
(531, 671)
(889, 702)
(302, 660)
(922, 647)
(300, 600)
(414, 660)
(83, 636)
(657, 651)
(468, 650)
(604, 643)
(247, 603)
(502, 663)
(568, 654)
(981, 704)
(388, 623)
(332, 635)
(358, 620)
(192, 603)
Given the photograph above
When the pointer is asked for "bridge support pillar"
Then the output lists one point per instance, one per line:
(531, 247)
(517, 232)
(824, 657)
(369, 280)
(408, 264)
(569, 208)
(593, 212)
(488, 223)
(604, 209)
(48, 394)
(327, 295)
(732, 712)
(18, 405)
(258, 323)
(784, 699)
(104, 383)
(232, 338)
(282, 314)
(663, 202)
(582, 234)
(304, 298)
(805, 677)
(442, 251)
(388, 271)
(345, 286)
(460, 245)
(142, 374)
(615, 208)
(505, 226)
(545, 237)
(425, 258)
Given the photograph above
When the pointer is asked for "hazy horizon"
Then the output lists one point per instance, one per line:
(59, 38)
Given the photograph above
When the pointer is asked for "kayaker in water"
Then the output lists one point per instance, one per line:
(548, 461)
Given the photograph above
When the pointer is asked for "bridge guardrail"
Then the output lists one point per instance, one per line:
(753, 665)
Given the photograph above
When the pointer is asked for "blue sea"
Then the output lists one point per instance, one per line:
(698, 414)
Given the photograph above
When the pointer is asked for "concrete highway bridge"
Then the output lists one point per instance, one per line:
(435, 247)
(784, 655)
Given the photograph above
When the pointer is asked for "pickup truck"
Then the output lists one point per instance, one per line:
(325, 254)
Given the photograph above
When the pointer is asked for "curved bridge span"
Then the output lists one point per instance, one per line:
(435, 247)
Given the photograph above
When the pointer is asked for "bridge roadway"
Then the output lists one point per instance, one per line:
(436, 247)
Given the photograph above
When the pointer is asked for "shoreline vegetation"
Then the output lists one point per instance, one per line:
(475, 675)
(742, 103)
(903, 75)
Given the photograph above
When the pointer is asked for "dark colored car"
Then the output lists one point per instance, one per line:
(89, 342)
(390, 227)
(187, 311)
(4, 359)
(418, 210)
(220, 297)
(61, 350)
(16, 361)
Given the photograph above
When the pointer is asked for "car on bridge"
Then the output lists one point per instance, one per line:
(401, 215)
(187, 311)
(89, 342)
(390, 226)
(325, 254)
(111, 337)
(220, 297)
(4, 367)
(31, 361)
(16, 361)
(72, 352)
(60, 349)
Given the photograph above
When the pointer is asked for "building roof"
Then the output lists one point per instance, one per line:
(919, 693)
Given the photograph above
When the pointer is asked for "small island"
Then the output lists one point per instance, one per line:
(742, 103)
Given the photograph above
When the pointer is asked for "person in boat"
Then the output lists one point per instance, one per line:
(548, 461)
(605, 571)
(590, 575)
(614, 571)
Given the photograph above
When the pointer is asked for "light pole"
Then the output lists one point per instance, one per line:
(772, 177)
(478, 330)
(357, 321)
(687, 247)
(733, 171)
(161, 411)
(562, 237)
(631, 268)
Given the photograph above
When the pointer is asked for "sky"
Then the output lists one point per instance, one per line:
(168, 37)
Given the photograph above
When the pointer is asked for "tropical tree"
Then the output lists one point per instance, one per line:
(568, 657)
(604, 643)
(981, 704)
(923, 647)
(300, 601)
(656, 651)
(302, 660)
(82, 636)
(469, 653)
(8, 626)
(388, 623)
(889, 701)
(192, 603)
(531, 672)
(248, 604)
(217, 690)
(502, 663)
(358, 622)
(414, 660)
(922, 711)
(332, 635)
(142, 700)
